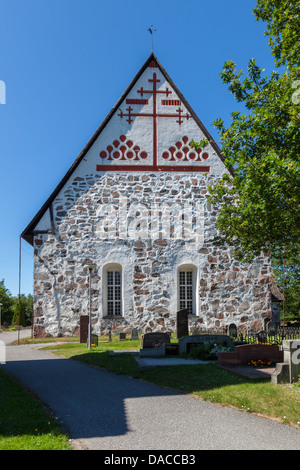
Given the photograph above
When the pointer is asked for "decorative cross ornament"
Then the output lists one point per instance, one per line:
(157, 102)
(154, 115)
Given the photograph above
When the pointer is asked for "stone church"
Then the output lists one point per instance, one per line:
(134, 207)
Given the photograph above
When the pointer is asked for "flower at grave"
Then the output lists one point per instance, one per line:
(260, 362)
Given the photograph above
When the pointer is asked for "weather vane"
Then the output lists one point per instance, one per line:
(151, 31)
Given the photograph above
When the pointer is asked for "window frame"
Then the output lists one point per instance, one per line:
(107, 311)
(187, 268)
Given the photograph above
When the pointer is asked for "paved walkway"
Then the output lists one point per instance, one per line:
(113, 412)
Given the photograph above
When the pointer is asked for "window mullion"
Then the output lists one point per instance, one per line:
(186, 291)
(114, 292)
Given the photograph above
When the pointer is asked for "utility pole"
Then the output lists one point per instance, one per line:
(90, 268)
(0, 316)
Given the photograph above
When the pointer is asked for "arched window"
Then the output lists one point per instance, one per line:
(112, 290)
(187, 288)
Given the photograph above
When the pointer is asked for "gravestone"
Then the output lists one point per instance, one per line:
(84, 328)
(232, 330)
(291, 355)
(109, 336)
(289, 370)
(94, 340)
(122, 337)
(271, 327)
(262, 336)
(134, 334)
(171, 349)
(184, 344)
(182, 323)
(153, 340)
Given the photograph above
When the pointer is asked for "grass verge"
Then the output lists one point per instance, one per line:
(25, 423)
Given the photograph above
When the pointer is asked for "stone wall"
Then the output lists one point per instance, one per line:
(90, 216)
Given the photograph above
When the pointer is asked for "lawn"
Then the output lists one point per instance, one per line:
(25, 424)
(208, 382)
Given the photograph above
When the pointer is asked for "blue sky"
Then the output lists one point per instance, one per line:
(65, 63)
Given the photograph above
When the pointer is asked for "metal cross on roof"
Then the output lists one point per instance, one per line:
(151, 31)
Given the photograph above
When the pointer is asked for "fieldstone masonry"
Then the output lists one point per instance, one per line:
(227, 290)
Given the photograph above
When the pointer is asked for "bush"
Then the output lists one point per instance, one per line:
(207, 351)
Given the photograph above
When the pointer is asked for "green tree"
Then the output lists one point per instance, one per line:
(6, 300)
(288, 278)
(283, 28)
(259, 200)
(29, 309)
(26, 306)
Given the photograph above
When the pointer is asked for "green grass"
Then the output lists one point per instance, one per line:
(25, 424)
(208, 382)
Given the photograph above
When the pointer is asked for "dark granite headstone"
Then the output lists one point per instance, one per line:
(182, 323)
(94, 340)
(153, 340)
(122, 337)
(262, 336)
(84, 328)
(271, 327)
(171, 349)
(134, 334)
(232, 330)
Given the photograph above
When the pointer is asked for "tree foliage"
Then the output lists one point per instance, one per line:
(25, 310)
(259, 204)
(10, 307)
(6, 300)
(288, 279)
(283, 28)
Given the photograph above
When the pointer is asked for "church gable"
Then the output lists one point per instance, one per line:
(149, 129)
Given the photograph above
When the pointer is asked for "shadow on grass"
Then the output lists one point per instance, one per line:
(183, 378)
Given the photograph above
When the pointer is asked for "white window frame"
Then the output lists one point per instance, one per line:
(187, 268)
(112, 268)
